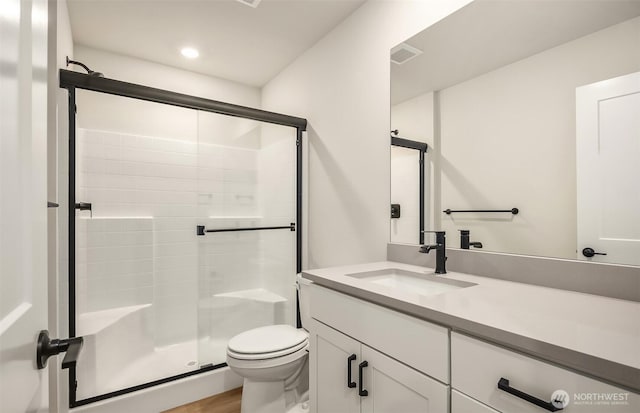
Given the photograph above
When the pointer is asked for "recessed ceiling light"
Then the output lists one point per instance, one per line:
(189, 52)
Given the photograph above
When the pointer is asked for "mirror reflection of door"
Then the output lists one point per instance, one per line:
(608, 149)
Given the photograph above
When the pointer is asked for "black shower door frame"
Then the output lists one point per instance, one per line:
(72, 81)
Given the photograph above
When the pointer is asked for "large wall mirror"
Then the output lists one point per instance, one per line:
(531, 113)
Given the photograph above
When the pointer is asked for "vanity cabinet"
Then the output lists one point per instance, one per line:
(477, 367)
(348, 376)
(367, 358)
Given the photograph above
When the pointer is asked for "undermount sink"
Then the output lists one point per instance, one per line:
(410, 281)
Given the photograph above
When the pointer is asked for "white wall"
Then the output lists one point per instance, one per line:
(414, 118)
(341, 85)
(508, 140)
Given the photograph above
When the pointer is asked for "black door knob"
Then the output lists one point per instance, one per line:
(590, 252)
(48, 347)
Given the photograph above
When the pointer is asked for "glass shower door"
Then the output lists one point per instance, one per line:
(247, 221)
(184, 235)
(136, 272)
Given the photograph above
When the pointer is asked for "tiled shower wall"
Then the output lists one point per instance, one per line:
(114, 263)
(157, 188)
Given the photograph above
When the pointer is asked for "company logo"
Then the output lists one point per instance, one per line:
(601, 399)
(560, 399)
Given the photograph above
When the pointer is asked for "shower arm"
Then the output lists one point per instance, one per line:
(85, 67)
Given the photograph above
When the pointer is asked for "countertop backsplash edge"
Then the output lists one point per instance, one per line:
(608, 280)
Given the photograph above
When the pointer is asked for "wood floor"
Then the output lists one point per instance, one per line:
(227, 402)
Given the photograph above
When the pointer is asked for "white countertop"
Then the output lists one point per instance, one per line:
(589, 325)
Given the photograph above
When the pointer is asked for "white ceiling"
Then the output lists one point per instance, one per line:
(236, 42)
(488, 34)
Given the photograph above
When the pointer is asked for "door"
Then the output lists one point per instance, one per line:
(334, 354)
(393, 387)
(23, 203)
(608, 166)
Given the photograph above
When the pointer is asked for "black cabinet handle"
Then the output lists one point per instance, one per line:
(350, 384)
(503, 385)
(362, 392)
(48, 347)
(590, 252)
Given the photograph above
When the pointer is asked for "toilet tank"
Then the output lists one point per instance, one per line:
(303, 295)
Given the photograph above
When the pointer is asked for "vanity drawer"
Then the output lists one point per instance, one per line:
(417, 343)
(461, 403)
(477, 367)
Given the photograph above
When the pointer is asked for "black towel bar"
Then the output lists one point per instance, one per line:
(514, 211)
(200, 229)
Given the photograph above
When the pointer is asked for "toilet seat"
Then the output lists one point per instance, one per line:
(271, 355)
(267, 342)
(267, 363)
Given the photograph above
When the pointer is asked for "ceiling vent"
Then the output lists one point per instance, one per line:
(252, 3)
(402, 53)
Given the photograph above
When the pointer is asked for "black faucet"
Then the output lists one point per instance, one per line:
(440, 247)
(464, 240)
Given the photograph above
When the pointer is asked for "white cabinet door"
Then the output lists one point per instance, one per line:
(608, 150)
(332, 353)
(393, 387)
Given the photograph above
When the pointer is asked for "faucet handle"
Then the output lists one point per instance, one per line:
(425, 249)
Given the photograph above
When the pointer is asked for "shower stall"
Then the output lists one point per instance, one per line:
(185, 231)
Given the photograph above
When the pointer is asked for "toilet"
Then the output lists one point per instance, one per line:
(273, 361)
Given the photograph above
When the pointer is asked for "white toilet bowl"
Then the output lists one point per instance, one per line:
(273, 362)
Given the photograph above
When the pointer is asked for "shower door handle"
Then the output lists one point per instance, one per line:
(48, 347)
(85, 206)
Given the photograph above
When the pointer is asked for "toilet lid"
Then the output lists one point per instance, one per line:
(267, 339)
